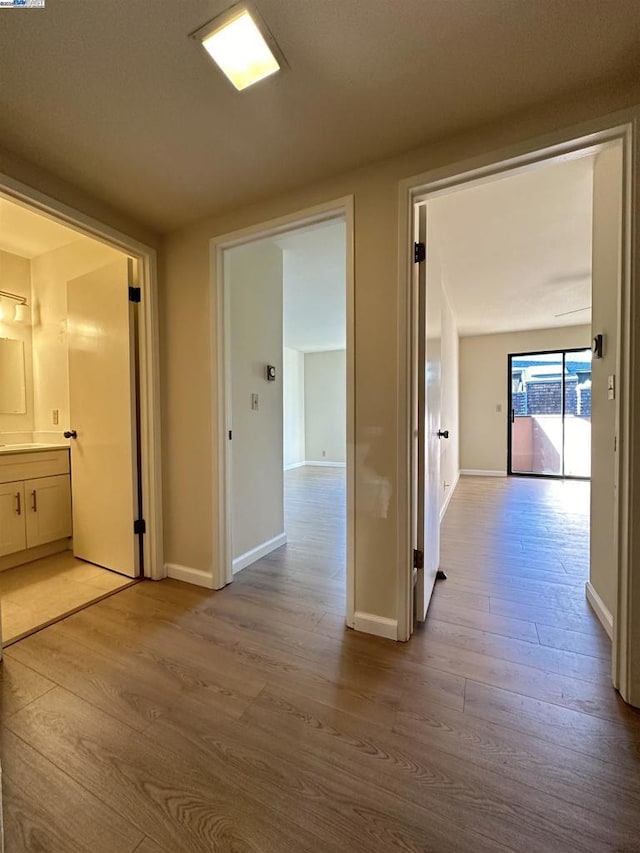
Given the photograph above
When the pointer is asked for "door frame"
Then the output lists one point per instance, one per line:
(341, 208)
(510, 356)
(621, 127)
(148, 348)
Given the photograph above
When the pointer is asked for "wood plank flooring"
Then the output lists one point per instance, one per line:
(171, 719)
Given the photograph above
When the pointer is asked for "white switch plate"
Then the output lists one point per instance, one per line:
(255, 403)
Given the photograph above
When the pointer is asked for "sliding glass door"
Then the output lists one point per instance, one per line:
(550, 414)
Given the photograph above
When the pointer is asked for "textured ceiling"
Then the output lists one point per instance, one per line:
(516, 252)
(113, 95)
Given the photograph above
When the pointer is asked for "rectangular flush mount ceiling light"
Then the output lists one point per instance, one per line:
(238, 47)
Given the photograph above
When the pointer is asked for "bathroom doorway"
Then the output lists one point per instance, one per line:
(71, 504)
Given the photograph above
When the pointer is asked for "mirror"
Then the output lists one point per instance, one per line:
(13, 391)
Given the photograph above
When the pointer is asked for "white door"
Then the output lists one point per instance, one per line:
(12, 527)
(104, 470)
(48, 509)
(429, 334)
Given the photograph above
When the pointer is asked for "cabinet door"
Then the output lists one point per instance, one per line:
(48, 509)
(12, 513)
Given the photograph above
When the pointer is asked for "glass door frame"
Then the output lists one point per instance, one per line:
(558, 351)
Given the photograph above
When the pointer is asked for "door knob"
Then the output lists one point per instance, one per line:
(70, 433)
(443, 433)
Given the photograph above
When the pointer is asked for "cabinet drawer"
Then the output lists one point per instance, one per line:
(27, 466)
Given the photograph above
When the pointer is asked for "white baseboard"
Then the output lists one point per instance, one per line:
(599, 608)
(379, 626)
(323, 463)
(447, 499)
(476, 472)
(195, 576)
(295, 465)
(259, 552)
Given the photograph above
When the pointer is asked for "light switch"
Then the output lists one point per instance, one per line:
(611, 388)
(498, 407)
(255, 405)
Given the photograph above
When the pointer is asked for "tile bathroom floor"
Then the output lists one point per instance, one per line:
(39, 593)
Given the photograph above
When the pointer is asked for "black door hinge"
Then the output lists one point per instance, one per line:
(230, 435)
(419, 252)
(418, 559)
(139, 526)
(134, 294)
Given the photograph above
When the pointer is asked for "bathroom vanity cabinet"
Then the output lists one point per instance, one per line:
(35, 497)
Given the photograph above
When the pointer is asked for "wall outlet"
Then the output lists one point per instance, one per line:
(55, 416)
(255, 403)
(498, 407)
(324, 452)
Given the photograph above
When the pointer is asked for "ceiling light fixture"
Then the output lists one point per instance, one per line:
(244, 51)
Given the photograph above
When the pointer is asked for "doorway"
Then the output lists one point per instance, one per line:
(73, 418)
(285, 315)
(487, 353)
(549, 405)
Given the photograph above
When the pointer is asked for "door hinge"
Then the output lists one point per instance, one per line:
(134, 294)
(418, 559)
(230, 435)
(139, 526)
(419, 252)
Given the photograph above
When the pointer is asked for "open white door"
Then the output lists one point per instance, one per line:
(104, 466)
(429, 333)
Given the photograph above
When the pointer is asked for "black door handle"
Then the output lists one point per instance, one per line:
(70, 433)
(443, 433)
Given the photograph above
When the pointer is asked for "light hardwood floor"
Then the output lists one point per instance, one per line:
(168, 718)
(41, 592)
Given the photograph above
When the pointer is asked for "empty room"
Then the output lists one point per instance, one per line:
(285, 447)
(342, 486)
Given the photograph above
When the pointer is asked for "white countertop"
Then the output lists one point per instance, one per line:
(30, 448)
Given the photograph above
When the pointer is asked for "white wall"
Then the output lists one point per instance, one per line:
(294, 430)
(254, 280)
(484, 389)
(191, 493)
(325, 408)
(50, 273)
(607, 189)
(15, 276)
(449, 404)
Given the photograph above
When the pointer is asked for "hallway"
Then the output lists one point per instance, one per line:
(169, 717)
